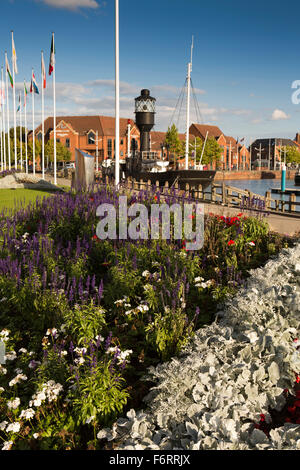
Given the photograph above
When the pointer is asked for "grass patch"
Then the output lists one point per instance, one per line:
(12, 199)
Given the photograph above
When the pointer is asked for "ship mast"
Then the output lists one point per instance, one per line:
(188, 107)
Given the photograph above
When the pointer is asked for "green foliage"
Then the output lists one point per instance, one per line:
(169, 332)
(176, 147)
(212, 151)
(62, 153)
(98, 394)
(85, 322)
(291, 154)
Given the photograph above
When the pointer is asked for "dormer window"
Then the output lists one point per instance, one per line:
(91, 138)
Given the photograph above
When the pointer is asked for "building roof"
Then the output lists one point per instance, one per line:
(158, 138)
(105, 125)
(279, 142)
(213, 131)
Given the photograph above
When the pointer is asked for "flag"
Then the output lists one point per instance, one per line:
(34, 87)
(2, 94)
(43, 73)
(19, 107)
(14, 56)
(9, 73)
(25, 93)
(242, 140)
(52, 56)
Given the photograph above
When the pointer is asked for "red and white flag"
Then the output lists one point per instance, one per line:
(52, 56)
(43, 73)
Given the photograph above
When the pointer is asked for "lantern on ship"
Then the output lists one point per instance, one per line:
(144, 118)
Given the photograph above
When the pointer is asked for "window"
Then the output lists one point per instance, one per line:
(39, 137)
(58, 141)
(121, 142)
(91, 138)
(68, 143)
(109, 148)
(122, 153)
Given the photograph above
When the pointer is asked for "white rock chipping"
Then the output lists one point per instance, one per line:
(232, 371)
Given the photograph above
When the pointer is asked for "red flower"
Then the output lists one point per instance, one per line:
(297, 403)
(287, 420)
(239, 215)
(262, 417)
(231, 242)
(292, 409)
(298, 379)
(95, 237)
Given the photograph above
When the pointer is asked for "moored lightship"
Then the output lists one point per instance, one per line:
(146, 165)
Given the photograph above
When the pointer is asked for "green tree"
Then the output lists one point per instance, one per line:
(292, 154)
(62, 153)
(212, 151)
(172, 139)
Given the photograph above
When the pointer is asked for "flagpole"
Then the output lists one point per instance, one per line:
(117, 97)
(21, 134)
(1, 136)
(15, 117)
(8, 122)
(3, 118)
(26, 147)
(43, 125)
(33, 132)
(54, 112)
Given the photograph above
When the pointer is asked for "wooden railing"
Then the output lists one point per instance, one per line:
(222, 194)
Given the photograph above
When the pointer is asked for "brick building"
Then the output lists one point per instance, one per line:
(81, 132)
(266, 152)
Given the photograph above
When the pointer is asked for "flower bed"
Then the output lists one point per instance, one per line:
(234, 387)
(82, 319)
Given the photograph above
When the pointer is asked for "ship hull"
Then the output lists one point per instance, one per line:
(297, 180)
(191, 177)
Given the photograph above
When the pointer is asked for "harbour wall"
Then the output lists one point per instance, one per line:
(253, 175)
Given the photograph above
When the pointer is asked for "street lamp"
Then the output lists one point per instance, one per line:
(97, 140)
(259, 150)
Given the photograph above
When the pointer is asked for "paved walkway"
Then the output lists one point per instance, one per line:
(278, 223)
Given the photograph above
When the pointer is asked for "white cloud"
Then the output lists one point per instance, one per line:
(278, 115)
(72, 4)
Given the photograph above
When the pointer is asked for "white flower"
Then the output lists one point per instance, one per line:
(13, 404)
(7, 445)
(35, 435)
(251, 243)
(27, 414)
(146, 273)
(3, 371)
(11, 356)
(1, 389)
(79, 360)
(198, 279)
(4, 334)
(3, 425)
(51, 331)
(99, 338)
(89, 420)
(17, 379)
(13, 427)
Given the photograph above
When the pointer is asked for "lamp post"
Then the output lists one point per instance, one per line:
(96, 141)
(259, 150)
(117, 97)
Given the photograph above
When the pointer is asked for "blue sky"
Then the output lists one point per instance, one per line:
(245, 58)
